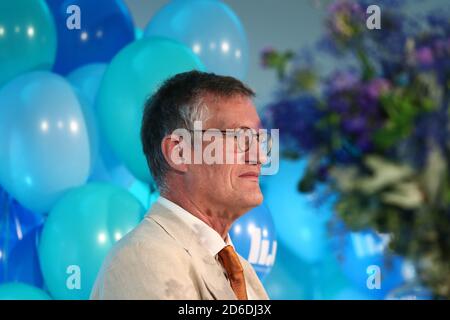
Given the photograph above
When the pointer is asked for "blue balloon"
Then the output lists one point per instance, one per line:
(351, 294)
(44, 145)
(300, 218)
(21, 291)
(254, 237)
(86, 81)
(290, 278)
(411, 290)
(19, 236)
(367, 263)
(105, 165)
(330, 283)
(78, 234)
(210, 28)
(105, 28)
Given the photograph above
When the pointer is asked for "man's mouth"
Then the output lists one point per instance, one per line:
(251, 175)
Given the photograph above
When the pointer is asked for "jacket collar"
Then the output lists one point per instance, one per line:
(210, 270)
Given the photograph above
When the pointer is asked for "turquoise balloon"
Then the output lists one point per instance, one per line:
(44, 146)
(79, 232)
(133, 75)
(210, 28)
(21, 291)
(138, 33)
(27, 38)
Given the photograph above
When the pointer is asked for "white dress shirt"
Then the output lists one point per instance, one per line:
(208, 237)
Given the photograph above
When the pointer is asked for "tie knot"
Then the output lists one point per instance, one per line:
(230, 261)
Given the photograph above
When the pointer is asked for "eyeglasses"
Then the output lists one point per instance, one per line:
(245, 138)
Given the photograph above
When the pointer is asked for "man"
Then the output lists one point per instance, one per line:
(182, 250)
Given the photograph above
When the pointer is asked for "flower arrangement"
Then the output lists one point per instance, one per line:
(377, 129)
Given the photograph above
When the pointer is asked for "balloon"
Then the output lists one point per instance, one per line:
(411, 290)
(21, 291)
(301, 217)
(105, 28)
(19, 235)
(138, 33)
(364, 258)
(105, 165)
(79, 232)
(144, 193)
(351, 294)
(27, 38)
(253, 235)
(290, 278)
(86, 82)
(134, 74)
(44, 146)
(210, 28)
(330, 283)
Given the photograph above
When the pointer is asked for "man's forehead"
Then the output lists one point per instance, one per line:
(233, 112)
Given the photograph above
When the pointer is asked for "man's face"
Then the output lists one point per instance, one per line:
(229, 185)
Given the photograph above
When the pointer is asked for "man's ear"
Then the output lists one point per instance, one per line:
(176, 151)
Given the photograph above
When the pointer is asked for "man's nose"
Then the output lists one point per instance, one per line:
(256, 156)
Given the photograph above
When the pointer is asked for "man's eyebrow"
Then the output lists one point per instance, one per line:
(240, 125)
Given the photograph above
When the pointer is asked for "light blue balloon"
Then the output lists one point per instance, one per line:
(86, 82)
(330, 283)
(254, 237)
(364, 256)
(27, 38)
(290, 278)
(106, 167)
(133, 75)
(21, 291)
(410, 290)
(87, 79)
(44, 145)
(301, 219)
(210, 28)
(351, 294)
(79, 232)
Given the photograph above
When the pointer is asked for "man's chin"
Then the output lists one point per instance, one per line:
(254, 199)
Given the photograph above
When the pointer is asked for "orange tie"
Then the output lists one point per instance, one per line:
(230, 261)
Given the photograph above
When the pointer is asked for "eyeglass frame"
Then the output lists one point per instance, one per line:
(227, 131)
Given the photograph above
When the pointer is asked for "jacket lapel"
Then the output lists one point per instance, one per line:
(253, 280)
(206, 265)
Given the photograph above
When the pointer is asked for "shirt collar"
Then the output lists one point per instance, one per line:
(207, 236)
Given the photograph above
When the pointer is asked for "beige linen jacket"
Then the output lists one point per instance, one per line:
(163, 259)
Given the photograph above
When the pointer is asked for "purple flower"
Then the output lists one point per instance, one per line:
(342, 80)
(355, 124)
(424, 56)
(377, 86)
(346, 20)
(296, 119)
